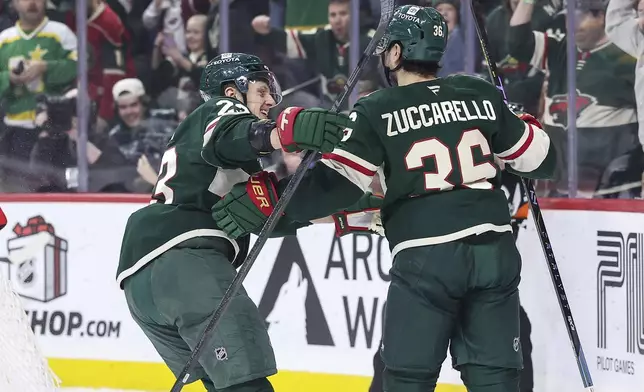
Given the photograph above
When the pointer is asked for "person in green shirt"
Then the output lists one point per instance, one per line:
(37, 56)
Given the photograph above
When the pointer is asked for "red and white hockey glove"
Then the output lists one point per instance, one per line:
(530, 119)
(247, 206)
(310, 129)
(364, 216)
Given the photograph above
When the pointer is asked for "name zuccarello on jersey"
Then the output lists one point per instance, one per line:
(435, 113)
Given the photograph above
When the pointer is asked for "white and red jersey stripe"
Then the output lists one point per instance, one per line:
(539, 58)
(294, 47)
(355, 169)
(527, 154)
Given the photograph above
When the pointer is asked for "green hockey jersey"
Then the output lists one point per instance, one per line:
(52, 42)
(322, 52)
(605, 79)
(208, 153)
(436, 144)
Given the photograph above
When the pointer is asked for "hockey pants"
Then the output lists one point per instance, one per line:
(462, 295)
(173, 298)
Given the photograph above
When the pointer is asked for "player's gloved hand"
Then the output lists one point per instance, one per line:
(364, 216)
(310, 129)
(247, 206)
(530, 119)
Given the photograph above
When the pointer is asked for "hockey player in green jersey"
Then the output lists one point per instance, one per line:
(175, 262)
(456, 268)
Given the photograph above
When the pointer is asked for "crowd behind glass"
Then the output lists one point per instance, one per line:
(144, 60)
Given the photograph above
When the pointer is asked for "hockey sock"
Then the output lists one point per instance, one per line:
(257, 385)
(479, 378)
(409, 380)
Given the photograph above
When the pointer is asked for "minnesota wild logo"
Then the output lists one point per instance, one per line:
(558, 107)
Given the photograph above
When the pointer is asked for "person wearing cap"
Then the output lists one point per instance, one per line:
(128, 95)
(141, 133)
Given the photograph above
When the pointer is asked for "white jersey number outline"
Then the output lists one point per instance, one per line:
(473, 175)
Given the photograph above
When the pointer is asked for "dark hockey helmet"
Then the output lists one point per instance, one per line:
(421, 31)
(239, 68)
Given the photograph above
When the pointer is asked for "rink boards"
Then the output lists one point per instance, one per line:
(323, 298)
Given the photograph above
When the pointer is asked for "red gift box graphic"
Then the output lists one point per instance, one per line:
(38, 260)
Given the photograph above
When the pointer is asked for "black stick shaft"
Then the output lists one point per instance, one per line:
(540, 225)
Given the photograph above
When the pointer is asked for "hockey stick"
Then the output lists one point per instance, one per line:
(386, 12)
(300, 86)
(540, 225)
(618, 188)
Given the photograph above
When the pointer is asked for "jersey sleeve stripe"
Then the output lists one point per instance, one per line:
(294, 47)
(352, 160)
(540, 54)
(357, 177)
(532, 152)
(521, 147)
(518, 145)
(209, 130)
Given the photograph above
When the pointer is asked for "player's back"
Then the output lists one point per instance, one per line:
(438, 136)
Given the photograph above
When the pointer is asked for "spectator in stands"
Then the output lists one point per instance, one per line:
(140, 39)
(241, 37)
(5, 19)
(453, 61)
(189, 8)
(140, 131)
(53, 164)
(37, 56)
(522, 82)
(178, 72)
(326, 50)
(165, 16)
(606, 118)
(625, 28)
(110, 59)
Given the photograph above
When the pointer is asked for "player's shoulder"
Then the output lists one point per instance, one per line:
(372, 101)
(224, 106)
(469, 82)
